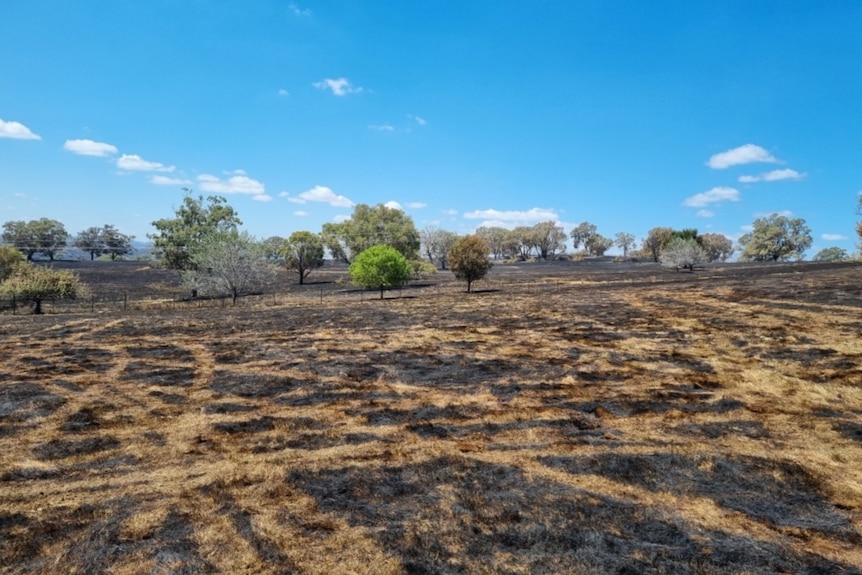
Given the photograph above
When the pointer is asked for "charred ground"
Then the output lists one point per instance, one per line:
(568, 418)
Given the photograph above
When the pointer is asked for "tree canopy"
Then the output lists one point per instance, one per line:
(9, 259)
(469, 259)
(105, 240)
(37, 283)
(436, 244)
(303, 253)
(380, 267)
(832, 254)
(194, 220)
(43, 236)
(776, 238)
(370, 226)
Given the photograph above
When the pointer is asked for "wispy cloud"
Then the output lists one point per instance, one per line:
(134, 163)
(296, 9)
(747, 154)
(713, 196)
(533, 215)
(262, 198)
(239, 183)
(450, 212)
(338, 218)
(89, 148)
(168, 181)
(833, 237)
(300, 213)
(320, 194)
(417, 119)
(785, 213)
(338, 86)
(416, 205)
(283, 92)
(16, 131)
(705, 213)
(382, 127)
(773, 176)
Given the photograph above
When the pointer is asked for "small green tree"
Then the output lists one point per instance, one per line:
(380, 267)
(9, 259)
(832, 254)
(469, 259)
(36, 283)
(303, 253)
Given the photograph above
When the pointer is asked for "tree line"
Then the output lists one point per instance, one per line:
(381, 245)
(48, 238)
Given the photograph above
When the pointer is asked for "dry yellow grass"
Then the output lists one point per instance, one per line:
(610, 426)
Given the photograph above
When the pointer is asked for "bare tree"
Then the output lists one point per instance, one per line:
(625, 242)
(228, 263)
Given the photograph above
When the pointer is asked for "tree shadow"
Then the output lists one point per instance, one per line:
(454, 514)
(778, 493)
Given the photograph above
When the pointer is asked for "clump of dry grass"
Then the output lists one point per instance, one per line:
(607, 426)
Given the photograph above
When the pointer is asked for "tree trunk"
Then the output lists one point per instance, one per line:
(233, 295)
(381, 293)
(38, 308)
(469, 286)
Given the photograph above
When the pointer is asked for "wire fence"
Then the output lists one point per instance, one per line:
(125, 301)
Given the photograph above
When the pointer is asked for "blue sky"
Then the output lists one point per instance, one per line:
(628, 114)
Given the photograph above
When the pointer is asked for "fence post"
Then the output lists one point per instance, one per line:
(321, 295)
(92, 303)
(125, 300)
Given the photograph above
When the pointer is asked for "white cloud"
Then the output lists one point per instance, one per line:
(167, 181)
(747, 154)
(134, 163)
(338, 218)
(16, 131)
(89, 148)
(713, 196)
(705, 213)
(237, 184)
(339, 86)
(416, 205)
(417, 119)
(283, 194)
(262, 198)
(20, 195)
(320, 194)
(533, 215)
(393, 205)
(747, 228)
(773, 176)
(833, 237)
(450, 212)
(381, 127)
(297, 10)
(283, 92)
(300, 213)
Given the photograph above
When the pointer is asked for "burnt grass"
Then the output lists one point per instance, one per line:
(567, 418)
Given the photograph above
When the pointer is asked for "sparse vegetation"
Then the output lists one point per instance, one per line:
(613, 422)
